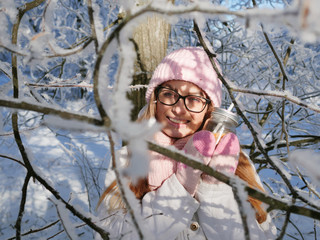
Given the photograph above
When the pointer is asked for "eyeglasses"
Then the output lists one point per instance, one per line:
(170, 97)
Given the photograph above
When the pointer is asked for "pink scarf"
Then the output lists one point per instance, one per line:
(162, 167)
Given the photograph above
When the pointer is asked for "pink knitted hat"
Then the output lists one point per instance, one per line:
(190, 64)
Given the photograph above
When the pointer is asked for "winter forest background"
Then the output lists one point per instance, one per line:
(72, 80)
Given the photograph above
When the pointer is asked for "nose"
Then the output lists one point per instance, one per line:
(179, 107)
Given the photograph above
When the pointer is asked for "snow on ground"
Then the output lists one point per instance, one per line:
(74, 164)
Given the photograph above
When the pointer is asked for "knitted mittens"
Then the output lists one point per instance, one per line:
(225, 157)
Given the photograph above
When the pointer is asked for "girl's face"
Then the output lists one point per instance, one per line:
(177, 121)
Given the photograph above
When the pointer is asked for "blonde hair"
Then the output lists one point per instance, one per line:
(150, 110)
(244, 170)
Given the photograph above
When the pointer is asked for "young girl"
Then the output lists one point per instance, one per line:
(177, 201)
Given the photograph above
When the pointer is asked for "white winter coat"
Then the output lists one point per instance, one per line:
(171, 212)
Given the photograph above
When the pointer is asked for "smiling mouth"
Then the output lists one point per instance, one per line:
(177, 121)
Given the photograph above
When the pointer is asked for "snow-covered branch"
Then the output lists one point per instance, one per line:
(41, 108)
(279, 94)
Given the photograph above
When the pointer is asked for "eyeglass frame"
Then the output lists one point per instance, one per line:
(207, 101)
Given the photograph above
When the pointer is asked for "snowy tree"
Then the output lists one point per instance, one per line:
(73, 77)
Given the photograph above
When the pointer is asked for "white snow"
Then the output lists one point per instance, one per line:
(308, 161)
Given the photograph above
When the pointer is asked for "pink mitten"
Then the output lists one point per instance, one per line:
(201, 145)
(225, 157)
(160, 166)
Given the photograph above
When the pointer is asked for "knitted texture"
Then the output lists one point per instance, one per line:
(160, 166)
(201, 145)
(225, 157)
(181, 142)
(190, 64)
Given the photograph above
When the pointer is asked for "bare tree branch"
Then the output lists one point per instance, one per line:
(92, 25)
(65, 225)
(243, 213)
(285, 95)
(41, 108)
(22, 205)
(13, 159)
(36, 230)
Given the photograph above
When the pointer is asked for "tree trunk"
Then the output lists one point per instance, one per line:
(151, 42)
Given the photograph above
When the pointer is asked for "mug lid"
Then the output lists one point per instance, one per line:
(228, 115)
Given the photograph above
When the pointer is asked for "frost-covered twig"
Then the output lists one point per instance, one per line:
(170, 10)
(13, 50)
(284, 74)
(301, 142)
(69, 52)
(280, 94)
(119, 87)
(61, 231)
(269, 107)
(92, 25)
(284, 79)
(64, 219)
(121, 187)
(237, 196)
(285, 224)
(41, 108)
(80, 85)
(283, 71)
(76, 49)
(76, 85)
(22, 10)
(311, 188)
(31, 231)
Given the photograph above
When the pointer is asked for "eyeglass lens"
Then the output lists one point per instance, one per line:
(171, 97)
